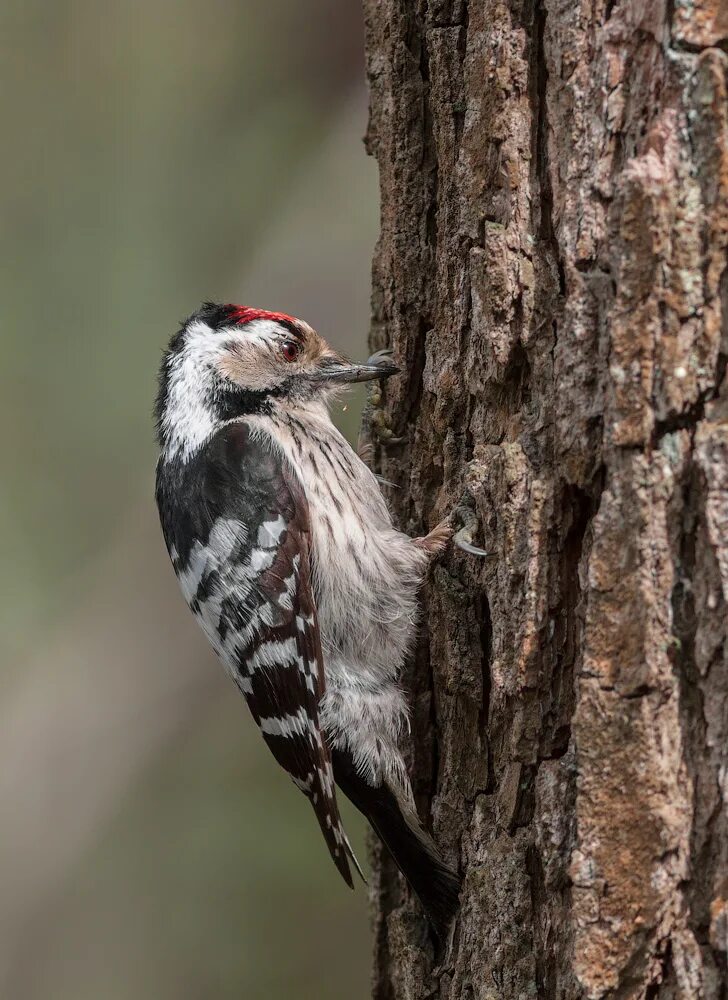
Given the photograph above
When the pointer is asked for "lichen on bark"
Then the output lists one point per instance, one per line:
(551, 273)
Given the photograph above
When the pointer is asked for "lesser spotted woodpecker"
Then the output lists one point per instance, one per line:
(286, 554)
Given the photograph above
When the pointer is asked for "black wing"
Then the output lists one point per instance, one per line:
(236, 522)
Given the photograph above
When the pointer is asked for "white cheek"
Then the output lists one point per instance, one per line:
(188, 419)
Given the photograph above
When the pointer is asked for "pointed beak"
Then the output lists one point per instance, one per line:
(343, 373)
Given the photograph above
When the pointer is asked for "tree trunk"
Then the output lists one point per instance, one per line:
(552, 275)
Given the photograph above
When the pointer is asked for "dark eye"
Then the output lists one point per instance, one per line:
(290, 350)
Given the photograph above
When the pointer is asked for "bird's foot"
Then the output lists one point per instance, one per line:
(463, 537)
(386, 354)
(436, 541)
(378, 421)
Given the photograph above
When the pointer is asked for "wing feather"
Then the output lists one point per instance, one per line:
(246, 573)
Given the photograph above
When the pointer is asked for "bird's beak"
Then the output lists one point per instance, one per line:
(340, 372)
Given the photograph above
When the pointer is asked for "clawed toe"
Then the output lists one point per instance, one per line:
(386, 354)
(463, 537)
(462, 540)
(436, 541)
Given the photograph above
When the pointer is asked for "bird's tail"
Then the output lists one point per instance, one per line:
(436, 884)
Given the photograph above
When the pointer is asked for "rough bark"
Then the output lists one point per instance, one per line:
(552, 274)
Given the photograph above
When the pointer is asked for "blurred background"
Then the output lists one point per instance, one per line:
(155, 154)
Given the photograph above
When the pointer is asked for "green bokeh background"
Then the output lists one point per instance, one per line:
(155, 154)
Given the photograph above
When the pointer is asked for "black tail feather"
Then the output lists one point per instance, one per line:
(436, 885)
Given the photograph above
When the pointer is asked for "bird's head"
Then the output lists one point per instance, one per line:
(227, 361)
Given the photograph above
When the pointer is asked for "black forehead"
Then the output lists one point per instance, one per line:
(215, 314)
(219, 316)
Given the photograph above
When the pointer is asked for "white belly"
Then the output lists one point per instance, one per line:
(365, 573)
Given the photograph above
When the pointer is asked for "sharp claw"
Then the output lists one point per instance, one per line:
(462, 540)
(386, 352)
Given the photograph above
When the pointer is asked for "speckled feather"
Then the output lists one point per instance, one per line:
(286, 553)
(236, 526)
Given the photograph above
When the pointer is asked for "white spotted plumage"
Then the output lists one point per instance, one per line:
(286, 553)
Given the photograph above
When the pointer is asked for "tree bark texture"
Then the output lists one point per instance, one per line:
(552, 276)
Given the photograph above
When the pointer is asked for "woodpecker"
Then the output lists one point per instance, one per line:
(286, 554)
